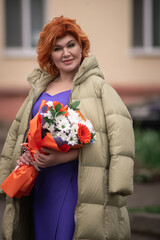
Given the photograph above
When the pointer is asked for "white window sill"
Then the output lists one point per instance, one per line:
(145, 52)
(18, 53)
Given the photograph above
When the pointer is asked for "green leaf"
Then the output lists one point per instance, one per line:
(69, 104)
(58, 107)
(46, 119)
(52, 112)
(92, 135)
(60, 113)
(74, 105)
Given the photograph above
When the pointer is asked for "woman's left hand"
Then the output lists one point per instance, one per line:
(50, 157)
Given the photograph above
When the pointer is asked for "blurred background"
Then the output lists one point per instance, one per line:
(125, 38)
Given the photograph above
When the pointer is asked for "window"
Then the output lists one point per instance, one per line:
(24, 19)
(146, 27)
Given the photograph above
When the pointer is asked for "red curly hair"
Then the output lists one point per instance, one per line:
(57, 28)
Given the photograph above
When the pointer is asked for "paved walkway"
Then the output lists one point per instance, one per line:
(145, 225)
(145, 195)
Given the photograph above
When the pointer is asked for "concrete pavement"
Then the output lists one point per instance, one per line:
(145, 226)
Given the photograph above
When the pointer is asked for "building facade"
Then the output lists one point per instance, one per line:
(124, 36)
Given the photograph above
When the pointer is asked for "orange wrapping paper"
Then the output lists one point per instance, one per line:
(21, 181)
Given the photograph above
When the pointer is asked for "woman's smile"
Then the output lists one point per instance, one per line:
(67, 62)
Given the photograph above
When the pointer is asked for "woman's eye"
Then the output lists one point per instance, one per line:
(57, 49)
(71, 45)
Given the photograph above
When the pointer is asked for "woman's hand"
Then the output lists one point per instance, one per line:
(26, 158)
(51, 157)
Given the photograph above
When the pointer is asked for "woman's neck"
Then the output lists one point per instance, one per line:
(62, 83)
(66, 77)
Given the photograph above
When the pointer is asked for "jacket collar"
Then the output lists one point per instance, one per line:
(39, 79)
(88, 68)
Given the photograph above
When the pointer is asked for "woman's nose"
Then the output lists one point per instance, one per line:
(65, 52)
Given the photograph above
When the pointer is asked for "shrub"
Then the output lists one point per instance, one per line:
(147, 147)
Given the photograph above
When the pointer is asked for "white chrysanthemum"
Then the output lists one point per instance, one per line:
(49, 104)
(51, 128)
(64, 125)
(54, 134)
(48, 115)
(72, 139)
(75, 128)
(60, 118)
(63, 136)
(73, 116)
(89, 125)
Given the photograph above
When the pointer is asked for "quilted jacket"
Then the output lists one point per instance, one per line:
(105, 173)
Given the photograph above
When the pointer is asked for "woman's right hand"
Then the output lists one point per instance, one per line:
(26, 158)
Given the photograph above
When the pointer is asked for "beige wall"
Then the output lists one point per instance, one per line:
(107, 24)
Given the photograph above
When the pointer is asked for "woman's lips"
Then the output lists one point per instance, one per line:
(69, 61)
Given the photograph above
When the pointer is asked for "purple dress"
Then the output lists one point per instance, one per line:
(55, 192)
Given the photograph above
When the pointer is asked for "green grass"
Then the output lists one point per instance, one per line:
(147, 209)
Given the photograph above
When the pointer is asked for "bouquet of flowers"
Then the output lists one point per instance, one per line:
(67, 126)
(56, 127)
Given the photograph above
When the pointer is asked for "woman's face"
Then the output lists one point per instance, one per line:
(66, 54)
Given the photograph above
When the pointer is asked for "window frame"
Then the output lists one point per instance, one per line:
(26, 50)
(147, 49)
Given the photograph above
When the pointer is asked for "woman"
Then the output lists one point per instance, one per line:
(80, 194)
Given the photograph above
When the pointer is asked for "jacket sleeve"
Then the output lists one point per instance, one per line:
(121, 142)
(10, 144)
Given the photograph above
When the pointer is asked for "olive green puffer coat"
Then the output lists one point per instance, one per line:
(105, 174)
